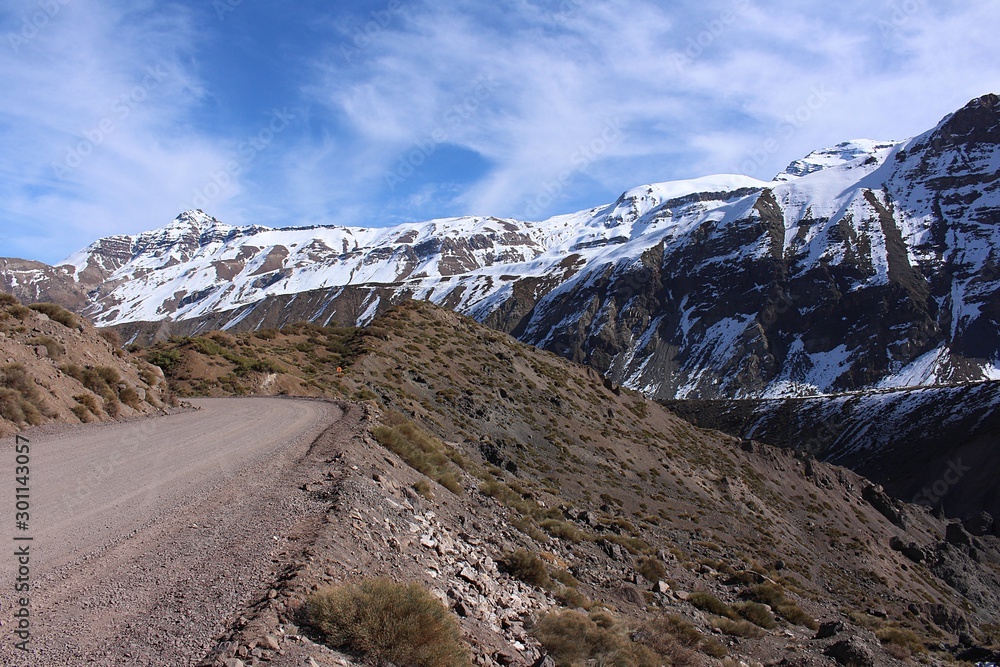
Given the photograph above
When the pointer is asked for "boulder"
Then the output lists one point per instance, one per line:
(979, 525)
(956, 534)
(852, 652)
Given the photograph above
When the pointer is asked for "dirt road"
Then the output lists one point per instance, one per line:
(148, 537)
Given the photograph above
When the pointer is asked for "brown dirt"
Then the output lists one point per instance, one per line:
(150, 536)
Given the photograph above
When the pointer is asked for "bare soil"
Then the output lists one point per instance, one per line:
(150, 536)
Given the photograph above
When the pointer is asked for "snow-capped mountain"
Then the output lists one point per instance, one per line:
(867, 264)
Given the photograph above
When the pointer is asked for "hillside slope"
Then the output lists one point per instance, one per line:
(624, 503)
(60, 369)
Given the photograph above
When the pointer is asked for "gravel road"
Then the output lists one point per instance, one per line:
(150, 536)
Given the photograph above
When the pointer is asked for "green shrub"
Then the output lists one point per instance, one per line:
(711, 604)
(526, 566)
(167, 360)
(388, 622)
(57, 313)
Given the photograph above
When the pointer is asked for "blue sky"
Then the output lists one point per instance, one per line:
(117, 116)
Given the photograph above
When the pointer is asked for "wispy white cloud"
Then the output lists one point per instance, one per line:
(582, 100)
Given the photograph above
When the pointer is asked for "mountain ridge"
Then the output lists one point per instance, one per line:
(865, 265)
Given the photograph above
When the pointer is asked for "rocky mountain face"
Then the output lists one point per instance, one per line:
(870, 264)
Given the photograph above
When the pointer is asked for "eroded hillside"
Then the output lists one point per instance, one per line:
(55, 367)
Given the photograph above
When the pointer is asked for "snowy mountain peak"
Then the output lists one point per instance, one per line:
(858, 150)
(867, 264)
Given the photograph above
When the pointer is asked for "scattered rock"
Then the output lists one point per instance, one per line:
(886, 506)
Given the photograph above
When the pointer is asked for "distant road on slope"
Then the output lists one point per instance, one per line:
(149, 536)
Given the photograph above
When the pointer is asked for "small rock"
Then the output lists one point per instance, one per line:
(269, 642)
(830, 629)
(234, 662)
(271, 594)
(683, 596)
(662, 587)
(545, 661)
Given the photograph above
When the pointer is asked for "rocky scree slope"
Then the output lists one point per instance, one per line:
(625, 506)
(867, 264)
(55, 367)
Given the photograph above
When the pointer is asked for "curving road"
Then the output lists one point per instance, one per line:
(149, 536)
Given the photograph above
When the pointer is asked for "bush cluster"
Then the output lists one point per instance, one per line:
(421, 451)
(388, 622)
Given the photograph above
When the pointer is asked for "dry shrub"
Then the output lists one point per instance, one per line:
(110, 335)
(421, 451)
(57, 313)
(53, 348)
(8, 300)
(738, 628)
(774, 596)
(756, 613)
(388, 622)
(902, 643)
(20, 401)
(671, 637)
(652, 569)
(711, 604)
(527, 567)
(573, 638)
